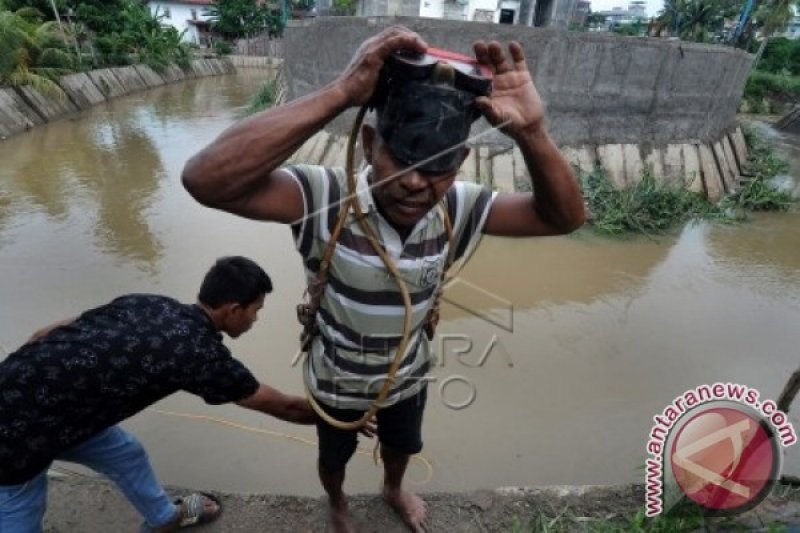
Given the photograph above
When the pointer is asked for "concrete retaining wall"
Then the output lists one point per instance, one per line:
(705, 168)
(261, 62)
(598, 88)
(22, 108)
(625, 104)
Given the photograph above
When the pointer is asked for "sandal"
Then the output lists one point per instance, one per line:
(193, 513)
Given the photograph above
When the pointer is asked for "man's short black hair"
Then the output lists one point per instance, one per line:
(234, 279)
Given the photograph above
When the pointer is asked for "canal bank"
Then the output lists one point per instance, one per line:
(82, 504)
(22, 108)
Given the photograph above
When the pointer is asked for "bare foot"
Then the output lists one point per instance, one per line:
(340, 520)
(411, 508)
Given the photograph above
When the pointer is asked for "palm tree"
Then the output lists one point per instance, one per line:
(695, 20)
(31, 52)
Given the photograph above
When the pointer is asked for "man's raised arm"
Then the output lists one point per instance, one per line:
(556, 205)
(238, 171)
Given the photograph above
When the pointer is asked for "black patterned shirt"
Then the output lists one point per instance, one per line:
(107, 365)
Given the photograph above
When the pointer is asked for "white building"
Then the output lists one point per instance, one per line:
(554, 13)
(185, 15)
(476, 10)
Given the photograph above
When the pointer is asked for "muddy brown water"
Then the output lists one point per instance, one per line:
(557, 352)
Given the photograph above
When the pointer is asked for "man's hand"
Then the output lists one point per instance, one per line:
(370, 428)
(515, 101)
(41, 333)
(360, 77)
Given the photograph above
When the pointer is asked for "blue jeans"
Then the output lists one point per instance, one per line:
(114, 453)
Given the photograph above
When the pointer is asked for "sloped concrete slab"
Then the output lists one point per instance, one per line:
(172, 73)
(150, 76)
(711, 176)
(15, 114)
(129, 78)
(303, 154)
(693, 179)
(336, 154)
(48, 106)
(108, 83)
(613, 163)
(725, 172)
(582, 158)
(318, 152)
(522, 178)
(739, 145)
(81, 90)
(654, 162)
(469, 169)
(503, 172)
(730, 157)
(484, 166)
(673, 164)
(633, 163)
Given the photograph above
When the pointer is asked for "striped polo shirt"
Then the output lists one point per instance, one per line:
(361, 312)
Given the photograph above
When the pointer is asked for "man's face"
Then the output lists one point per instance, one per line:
(242, 317)
(406, 198)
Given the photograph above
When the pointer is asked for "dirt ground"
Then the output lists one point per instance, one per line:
(79, 505)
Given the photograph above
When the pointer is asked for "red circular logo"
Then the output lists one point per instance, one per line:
(725, 459)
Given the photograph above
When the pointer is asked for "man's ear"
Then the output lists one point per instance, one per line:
(368, 141)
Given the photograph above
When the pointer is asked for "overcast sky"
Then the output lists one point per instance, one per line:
(653, 6)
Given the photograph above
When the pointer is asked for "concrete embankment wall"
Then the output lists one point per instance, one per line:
(622, 103)
(273, 66)
(22, 108)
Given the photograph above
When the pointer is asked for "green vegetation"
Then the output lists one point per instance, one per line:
(566, 522)
(32, 52)
(633, 29)
(647, 207)
(651, 207)
(759, 194)
(132, 34)
(345, 7)
(264, 98)
(697, 20)
(777, 79)
(223, 48)
(35, 48)
(691, 519)
(242, 19)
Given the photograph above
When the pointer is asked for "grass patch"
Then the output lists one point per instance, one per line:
(265, 98)
(759, 194)
(567, 523)
(767, 84)
(651, 207)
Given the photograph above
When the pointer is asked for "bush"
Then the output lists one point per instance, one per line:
(760, 194)
(223, 48)
(264, 98)
(781, 56)
(764, 84)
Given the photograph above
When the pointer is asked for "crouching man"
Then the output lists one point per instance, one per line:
(63, 393)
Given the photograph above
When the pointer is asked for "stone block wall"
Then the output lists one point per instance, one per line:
(22, 108)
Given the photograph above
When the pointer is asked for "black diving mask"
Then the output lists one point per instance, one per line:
(425, 107)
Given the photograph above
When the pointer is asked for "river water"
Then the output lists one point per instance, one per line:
(556, 352)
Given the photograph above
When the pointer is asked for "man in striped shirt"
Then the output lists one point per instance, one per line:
(361, 311)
